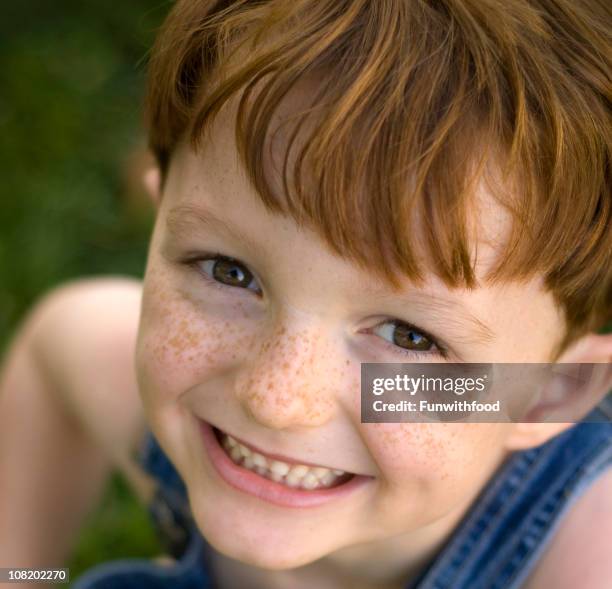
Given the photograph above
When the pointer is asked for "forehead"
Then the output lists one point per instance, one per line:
(209, 191)
(214, 176)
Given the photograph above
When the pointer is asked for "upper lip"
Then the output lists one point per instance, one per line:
(280, 457)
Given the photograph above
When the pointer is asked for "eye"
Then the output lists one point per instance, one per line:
(229, 272)
(405, 336)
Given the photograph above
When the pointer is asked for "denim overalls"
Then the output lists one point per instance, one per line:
(495, 546)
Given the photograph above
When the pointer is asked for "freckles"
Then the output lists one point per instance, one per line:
(436, 450)
(240, 311)
(285, 376)
(390, 442)
(421, 450)
(448, 452)
(184, 338)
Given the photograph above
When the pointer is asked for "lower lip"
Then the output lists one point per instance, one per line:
(253, 484)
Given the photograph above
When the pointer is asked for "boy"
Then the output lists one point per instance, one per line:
(338, 183)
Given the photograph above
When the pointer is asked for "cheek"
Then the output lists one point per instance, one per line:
(443, 461)
(181, 343)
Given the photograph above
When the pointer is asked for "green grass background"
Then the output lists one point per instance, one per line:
(71, 139)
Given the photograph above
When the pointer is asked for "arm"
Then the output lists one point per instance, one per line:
(69, 413)
(579, 553)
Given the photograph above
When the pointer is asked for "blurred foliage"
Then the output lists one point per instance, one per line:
(71, 148)
(119, 528)
(71, 87)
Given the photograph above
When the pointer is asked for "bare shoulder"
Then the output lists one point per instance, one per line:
(85, 335)
(579, 553)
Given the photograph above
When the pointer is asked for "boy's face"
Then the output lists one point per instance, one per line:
(268, 349)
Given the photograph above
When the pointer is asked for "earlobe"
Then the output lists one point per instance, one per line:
(579, 380)
(589, 368)
(530, 435)
(593, 347)
(152, 182)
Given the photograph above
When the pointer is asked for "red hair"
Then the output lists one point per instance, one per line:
(413, 100)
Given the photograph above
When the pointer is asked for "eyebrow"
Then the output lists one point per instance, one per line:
(190, 218)
(451, 312)
(193, 219)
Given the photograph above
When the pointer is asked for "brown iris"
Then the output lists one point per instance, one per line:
(406, 336)
(231, 273)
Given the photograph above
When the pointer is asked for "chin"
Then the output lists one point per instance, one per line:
(255, 543)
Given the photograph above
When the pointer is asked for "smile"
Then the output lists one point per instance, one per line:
(281, 482)
(292, 475)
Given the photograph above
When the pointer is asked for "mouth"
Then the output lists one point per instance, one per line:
(274, 479)
(291, 474)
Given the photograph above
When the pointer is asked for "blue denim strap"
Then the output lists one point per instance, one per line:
(501, 539)
(187, 573)
(177, 532)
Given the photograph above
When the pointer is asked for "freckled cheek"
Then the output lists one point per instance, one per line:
(180, 347)
(441, 459)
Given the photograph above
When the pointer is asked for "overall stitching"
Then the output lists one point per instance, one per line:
(466, 543)
(460, 562)
(546, 520)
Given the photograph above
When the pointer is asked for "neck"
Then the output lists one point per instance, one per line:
(395, 561)
(387, 564)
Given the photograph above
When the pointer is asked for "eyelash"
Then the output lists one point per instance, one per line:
(192, 264)
(439, 351)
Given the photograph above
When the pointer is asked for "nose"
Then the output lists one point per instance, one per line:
(289, 381)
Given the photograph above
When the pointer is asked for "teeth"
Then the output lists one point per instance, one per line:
(259, 460)
(279, 468)
(296, 475)
(235, 453)
(328, 478)
(300, 470)
(292, 480)
(310, 481)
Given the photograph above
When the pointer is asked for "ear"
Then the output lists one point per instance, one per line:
(152, 182)
(581, 378)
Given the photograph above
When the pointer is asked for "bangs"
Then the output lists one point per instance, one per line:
(405, 107)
